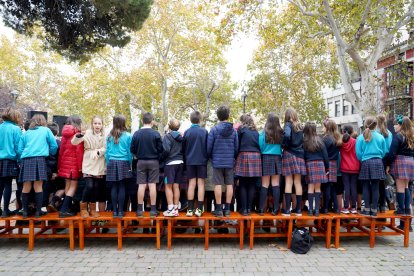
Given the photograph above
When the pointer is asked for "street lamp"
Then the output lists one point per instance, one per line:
(244, 95)
(14, 94)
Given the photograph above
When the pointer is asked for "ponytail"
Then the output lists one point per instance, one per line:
(370, 124)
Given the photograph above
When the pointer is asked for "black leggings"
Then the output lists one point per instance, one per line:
(247, 191)
(370, 193)
(350, 184)
(6, 190)
(118, 195)
(90, 192)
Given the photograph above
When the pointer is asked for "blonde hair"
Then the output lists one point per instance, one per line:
(331, 129)
(174, 124)
(407, 132)
(37, 120)
(292, 116)
(13, 115)
(369, 124)
(382, 125)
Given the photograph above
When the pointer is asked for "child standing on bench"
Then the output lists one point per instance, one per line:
(317, 166)
(195, 156)
(35, 145)
(370, 149)
(118, 160)
(222, 147)
(10, 133)
(174, 166)
(146, 145)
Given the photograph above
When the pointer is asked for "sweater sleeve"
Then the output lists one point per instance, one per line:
(22, 144)
(159, 146)
(358, 147)
(392, 154)
(210, 142)
(262, 141)
(79, 155)
(16, 140)
(166, 145)
(52, 143)
(129, 143)
(325, 158)
(287, 133)
(77, 140)
(236, 145)
(134, 147)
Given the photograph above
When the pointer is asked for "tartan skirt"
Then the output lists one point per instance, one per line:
(316, 172)
(249, 164)
(9, 168)
(271, 164)
(333, 171)
(33, 169)
(118, 170)
(403, 167)
(372, 169)
(292, 164)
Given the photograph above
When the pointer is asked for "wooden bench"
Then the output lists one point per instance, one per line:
(47, 228)
(124, 228)
(357, 225)
(204, 223)
(281, 223)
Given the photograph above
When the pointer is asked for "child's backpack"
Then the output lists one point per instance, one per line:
(301, 241)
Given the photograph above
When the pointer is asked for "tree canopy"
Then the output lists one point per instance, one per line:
(77, 28)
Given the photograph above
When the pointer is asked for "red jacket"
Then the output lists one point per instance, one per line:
(70, 156)
(349, 162)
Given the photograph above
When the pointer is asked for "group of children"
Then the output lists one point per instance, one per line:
(296, 162)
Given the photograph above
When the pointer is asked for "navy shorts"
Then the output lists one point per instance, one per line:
(196, 171)
(173, 174)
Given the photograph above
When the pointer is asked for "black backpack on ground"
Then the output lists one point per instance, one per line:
(301, 241)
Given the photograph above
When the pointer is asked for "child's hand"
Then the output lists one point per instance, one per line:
(54, 175)
(84, 127)
(95, 155)
(387, 170)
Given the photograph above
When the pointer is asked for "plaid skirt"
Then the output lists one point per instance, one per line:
(117, 170)
(33, 169)
(292, 164)
(8, 168)
(316, 172)
(249, 164)
(372, 169)
(333, 171)
(403, 167)
(271, 164)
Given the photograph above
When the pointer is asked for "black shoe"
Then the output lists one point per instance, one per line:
(365, 213)
(115, 214)
(382, 209)
(121, 214)
(310, 213)
(6, 214)
(399, 212)
(154, 214)
(373, 214)
(226, 213)
(223, 230)
(316, 214)
(407, 212)
(244, 213)
(140, 213)
(217, 213)
(66, 214)
(25, 215)
(298, 213)
(260, 212)
(105, 230)
(249, 212)
(275, 212)
(324, 211)
(337, 211)
(39, 214)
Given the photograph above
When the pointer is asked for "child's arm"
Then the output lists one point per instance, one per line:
(287, 134)
(392, 154)
(102, 150)
(262, 140)
(236, 145)
(52, 142)
(77, 139)
(22, 144)
(166, 145)
(79, 155)
(359, 147)
(134, 147)
(210, 142)
(129, 144)
(16, 140)
(325, 158)
(159, 146)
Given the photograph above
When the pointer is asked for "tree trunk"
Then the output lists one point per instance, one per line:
(164, 111)
(369, 97)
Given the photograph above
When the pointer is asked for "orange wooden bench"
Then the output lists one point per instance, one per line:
(123, 227)
(205, 224)
(357, 225)
(281, 223)
(46, 227)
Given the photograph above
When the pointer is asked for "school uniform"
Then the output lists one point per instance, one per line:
(349, 166)
(173, 157)
(195, 151)
(329, 189)
(271, 156)
(372, 169)
(293, 154)
(70, 156)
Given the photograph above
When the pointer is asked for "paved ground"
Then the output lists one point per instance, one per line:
(269, 257)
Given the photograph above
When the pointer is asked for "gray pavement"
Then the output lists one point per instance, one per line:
(269, 257)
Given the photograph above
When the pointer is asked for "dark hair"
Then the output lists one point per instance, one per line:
(75, 121)
(407, 132)
(292, 116)
(147, 118)
(246, 121)
(382, 125)
(118, 126)
(13, 115)
(37, 120)
(223, 112)
(195, 117)
(27, 124)
(273, 130)
(347, 132)
(311, 141)
(54, 127)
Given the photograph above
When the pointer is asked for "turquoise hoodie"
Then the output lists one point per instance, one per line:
(120, 151)
(376, 148)
(10, 135)
(265, 148)
(388, 140)
(36, 142)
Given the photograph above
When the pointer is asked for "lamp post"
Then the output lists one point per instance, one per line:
(244, 95)
(14, 94)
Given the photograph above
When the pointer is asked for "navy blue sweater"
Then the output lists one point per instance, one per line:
(146, 144)
(398, 147)
(173, 147)
(248, 140)
(222, 145)
(195, 146)
(331, 148)
(321, 154)
(293, 141)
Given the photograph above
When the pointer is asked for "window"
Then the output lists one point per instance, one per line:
(345, 110)
(399, 79)
(353, 110)
(330, 109)
(337, 108)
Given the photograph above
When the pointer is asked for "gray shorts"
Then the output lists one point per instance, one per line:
(223, 176)
(148, 171)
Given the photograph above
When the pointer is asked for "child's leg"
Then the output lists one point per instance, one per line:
(114, 196)
(243, 186)
(288, 192)
(326, 196)
(176, 193)
(251, 190)
(217, 195)
(6, 184)
(121, 195)
(200, 192)
(70, 189)
(366, 194)
(311, 190)
(298, 189)
(169, 195)
(346, 179)
(19, 204)
(317, 198)
(87, 191)
(38, 187)
(333, 196)
(275, 180)
(375, 194)
(263, 192)
(190, 193)
(27, 187)
(153, 196)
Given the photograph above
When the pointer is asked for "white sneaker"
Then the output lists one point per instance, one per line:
(171, 213)
(198, 212)
(345, 211)
(190, 213)
(354, 211)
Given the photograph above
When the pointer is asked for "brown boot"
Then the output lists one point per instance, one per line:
(84, 210)
(92, 209)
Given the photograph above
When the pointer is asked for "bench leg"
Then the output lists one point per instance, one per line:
(31, 235)
(337, 232)
(406, 232)
(81, 235)
(158, 234)
(169, 234)
(372, 234)
(251, 235)
(206, 233)
(119, 230)
(241, 233)
(71, 236)
(328, 234)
